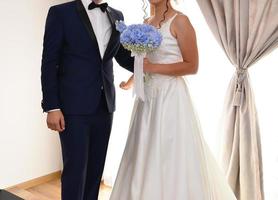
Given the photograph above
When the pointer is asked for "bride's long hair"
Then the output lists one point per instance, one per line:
(164, 14)
(145, 6)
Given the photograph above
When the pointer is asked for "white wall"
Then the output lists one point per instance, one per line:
(27, 149)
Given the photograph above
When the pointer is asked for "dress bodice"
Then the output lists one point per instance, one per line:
(169, 51)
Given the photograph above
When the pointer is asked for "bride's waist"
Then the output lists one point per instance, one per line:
(159, 79)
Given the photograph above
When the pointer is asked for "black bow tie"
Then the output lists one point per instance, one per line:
(102, 6)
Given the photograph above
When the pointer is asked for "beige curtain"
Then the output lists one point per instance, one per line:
(246, 30)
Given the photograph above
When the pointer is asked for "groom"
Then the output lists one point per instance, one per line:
(78, 90)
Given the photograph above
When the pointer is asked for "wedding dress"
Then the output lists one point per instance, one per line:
(166, 157)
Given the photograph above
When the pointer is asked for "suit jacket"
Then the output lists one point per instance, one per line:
(73, 74)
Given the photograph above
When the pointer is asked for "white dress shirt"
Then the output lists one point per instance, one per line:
(101, 25)
(102, 28)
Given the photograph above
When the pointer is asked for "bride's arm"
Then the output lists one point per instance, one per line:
(185, 34)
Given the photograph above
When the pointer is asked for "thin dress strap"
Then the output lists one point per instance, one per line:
(169, 21)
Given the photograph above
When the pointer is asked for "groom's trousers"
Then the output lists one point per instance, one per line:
(84, 145)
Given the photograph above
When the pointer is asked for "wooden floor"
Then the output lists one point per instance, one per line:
(51, 191)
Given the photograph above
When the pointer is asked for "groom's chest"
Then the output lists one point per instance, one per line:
(101, 26)
(84, 31)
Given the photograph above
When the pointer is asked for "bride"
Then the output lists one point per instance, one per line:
(166, 157)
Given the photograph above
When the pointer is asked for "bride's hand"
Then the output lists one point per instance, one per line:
(146, 65)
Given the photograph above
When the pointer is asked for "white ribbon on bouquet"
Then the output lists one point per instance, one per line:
(138, 89)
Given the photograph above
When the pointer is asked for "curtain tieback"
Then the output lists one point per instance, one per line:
(241, 74)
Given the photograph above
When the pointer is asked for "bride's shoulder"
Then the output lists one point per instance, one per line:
(181, 21)
(182, 26)
(181, 18)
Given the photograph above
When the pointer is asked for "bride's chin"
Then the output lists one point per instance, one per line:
(155, 2)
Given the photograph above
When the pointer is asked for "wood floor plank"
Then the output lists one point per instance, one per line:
(104, 192)
(56, 182)
(51, 190)
(39, 195)
(38, 181)
(24, 194)
(48, 190)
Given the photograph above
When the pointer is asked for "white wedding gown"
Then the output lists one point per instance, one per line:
(166, 157)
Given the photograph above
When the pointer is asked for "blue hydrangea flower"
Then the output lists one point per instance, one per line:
(120, 26)
(139, 38)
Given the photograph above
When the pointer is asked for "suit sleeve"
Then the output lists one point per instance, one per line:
(124, 59)
(52, 46)
(123, 56)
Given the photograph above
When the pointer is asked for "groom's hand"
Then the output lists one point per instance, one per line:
(55, 121)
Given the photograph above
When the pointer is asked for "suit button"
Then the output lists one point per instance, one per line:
(101, 88)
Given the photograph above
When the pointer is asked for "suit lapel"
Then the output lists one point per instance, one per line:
(113, 39)
(86, 21)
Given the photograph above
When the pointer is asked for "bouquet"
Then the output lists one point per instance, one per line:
(140, 39)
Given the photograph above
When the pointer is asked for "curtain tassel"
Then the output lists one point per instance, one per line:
(238, 96)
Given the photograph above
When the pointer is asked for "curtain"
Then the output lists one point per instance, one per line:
(246, 30)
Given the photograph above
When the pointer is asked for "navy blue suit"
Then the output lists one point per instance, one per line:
(78, 81)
